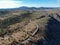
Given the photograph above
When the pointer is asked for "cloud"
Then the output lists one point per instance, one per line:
(10, 0)
(9, 4)
(5, 0)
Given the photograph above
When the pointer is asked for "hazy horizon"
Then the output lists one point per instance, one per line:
(29, 3)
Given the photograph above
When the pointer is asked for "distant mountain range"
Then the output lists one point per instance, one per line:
(31, 8)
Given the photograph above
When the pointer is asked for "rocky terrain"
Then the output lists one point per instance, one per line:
(30, 27)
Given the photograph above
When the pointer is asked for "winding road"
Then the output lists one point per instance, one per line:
(9, 39)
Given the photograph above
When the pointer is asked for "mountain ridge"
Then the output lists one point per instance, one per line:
(31, 8)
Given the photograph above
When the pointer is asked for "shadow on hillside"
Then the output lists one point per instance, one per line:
(52, 34)
(14, 20)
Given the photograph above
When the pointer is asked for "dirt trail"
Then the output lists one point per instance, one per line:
(20, 36)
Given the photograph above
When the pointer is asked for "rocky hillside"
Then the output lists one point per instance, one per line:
(30, 27)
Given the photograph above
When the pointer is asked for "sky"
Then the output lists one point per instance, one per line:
(29, 3)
